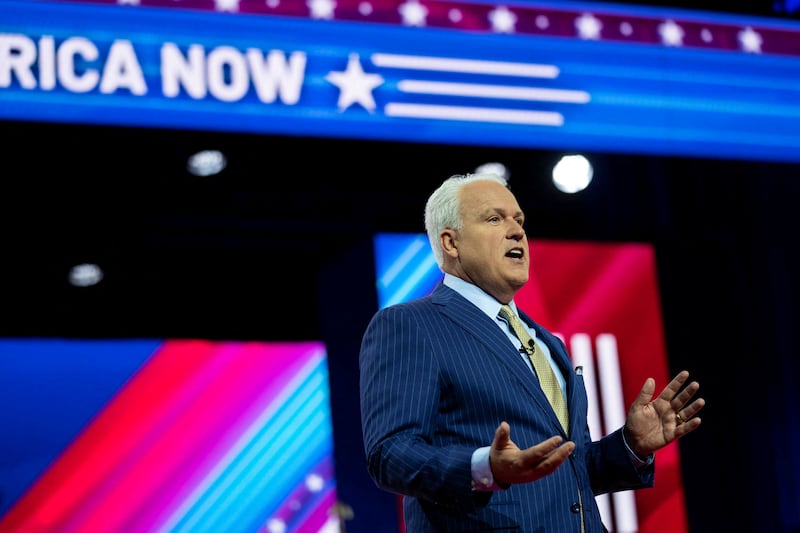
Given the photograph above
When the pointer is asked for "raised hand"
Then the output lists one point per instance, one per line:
(654, 423)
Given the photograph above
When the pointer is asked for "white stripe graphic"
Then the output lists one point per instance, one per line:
(477, 113)
(470, 66)
(508, 92)
(474, 114)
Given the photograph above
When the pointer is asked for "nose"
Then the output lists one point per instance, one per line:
(517, 231)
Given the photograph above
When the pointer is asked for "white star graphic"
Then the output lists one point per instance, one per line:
(503, 20)
(227, 5)
(413, 13)
(588, 26)
(750, 40)
(321, 9)
(355, 85)
(671, 33)
(128, 2)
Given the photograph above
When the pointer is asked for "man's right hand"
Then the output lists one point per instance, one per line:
(510, 465)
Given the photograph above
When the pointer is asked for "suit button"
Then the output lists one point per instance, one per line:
(575, 508)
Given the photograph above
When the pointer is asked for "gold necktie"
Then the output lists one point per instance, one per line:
(547, 379)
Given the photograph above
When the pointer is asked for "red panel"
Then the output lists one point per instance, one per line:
(594, 289)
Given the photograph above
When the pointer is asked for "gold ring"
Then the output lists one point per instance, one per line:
(678, 418)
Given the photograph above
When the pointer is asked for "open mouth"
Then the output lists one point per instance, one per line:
(515, 253)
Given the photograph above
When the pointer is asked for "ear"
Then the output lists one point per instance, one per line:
(449, 242)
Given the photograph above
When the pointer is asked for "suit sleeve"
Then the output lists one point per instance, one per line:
(400, 388)
(611, 469)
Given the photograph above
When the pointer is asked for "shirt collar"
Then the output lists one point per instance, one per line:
(477, 296)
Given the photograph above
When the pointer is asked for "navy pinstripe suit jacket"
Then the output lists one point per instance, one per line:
(437, 376)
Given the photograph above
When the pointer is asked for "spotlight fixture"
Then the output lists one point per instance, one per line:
(85, 275)
(572, 174)
(206, 163)
(493, 168)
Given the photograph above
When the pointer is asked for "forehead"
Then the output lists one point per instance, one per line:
(483, 196)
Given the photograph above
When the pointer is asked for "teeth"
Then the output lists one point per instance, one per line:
(515, 253)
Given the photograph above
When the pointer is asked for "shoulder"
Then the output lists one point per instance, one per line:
(421, 305)
(438, 303)
(441, 295)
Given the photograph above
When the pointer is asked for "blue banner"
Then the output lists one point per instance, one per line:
(200, 70)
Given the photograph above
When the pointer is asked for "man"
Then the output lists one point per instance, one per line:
(453, 415)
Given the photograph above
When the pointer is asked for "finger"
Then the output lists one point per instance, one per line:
(688, 411)
(687, 427)
(538, 452)
(688, 391)
(501, 436)
(672, 389)
(555, 457)
(646, 393)
(683, 400)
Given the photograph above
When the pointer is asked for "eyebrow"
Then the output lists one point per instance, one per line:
(501, 211)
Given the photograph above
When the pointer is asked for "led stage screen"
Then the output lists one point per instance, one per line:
(603, 301)
(552, 75)
(165, 435)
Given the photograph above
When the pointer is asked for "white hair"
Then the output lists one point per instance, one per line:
(443, 209)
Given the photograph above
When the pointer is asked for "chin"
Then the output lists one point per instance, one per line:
(519, 282)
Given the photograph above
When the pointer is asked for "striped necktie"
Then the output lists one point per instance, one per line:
(547, 379)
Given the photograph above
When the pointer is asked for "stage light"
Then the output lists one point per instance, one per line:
(85, 275)
(493, 168)
(572, 174)
(206, 163)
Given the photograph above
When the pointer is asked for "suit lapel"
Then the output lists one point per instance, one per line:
(474, 323)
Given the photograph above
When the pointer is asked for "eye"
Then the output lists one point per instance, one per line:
(494, 219)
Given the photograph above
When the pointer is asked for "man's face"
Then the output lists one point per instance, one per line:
(491, 246)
